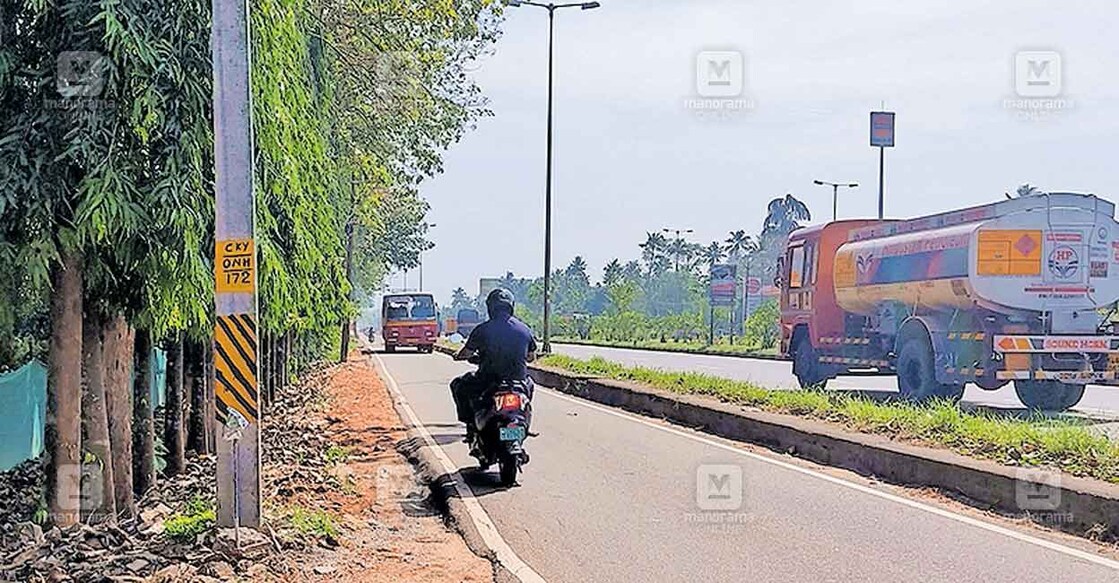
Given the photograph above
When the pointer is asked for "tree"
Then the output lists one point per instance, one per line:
(713, 253)
(784, 215)
(613, 273)
(653, 248)
(460, 300)
(738, 243)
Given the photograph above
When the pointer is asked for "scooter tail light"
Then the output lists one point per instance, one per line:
(508, 401)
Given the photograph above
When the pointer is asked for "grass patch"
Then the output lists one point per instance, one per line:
(337, 455)
(315, 523)
(670, 346)
(197, 518)
(1064, 444)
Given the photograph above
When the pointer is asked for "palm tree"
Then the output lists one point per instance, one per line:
(738, 243)
(784, 215)
(653, 247)
(713, 253)
(612, 274)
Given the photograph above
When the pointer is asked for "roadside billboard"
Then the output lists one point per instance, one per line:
(723, 284)
(882, 129)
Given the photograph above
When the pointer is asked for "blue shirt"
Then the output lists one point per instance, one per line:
(503, 343)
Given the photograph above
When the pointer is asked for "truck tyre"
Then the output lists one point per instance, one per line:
(806, 366)
(917, 374)
(1048, 395)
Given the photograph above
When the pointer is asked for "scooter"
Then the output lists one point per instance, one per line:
(502, 417)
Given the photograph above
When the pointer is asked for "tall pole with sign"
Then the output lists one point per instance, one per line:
(882, 137)
(235, 326)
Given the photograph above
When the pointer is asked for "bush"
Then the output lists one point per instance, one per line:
(763, 327)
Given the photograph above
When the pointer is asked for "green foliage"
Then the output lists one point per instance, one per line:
(197, 518)
(315, 523)
(763, 327)
(1064, 443)
(336, 454)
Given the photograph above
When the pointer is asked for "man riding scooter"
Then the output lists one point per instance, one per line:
(501, 347)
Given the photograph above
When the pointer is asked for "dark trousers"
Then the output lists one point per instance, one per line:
(469, 389)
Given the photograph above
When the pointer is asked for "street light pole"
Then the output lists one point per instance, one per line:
(835, 193)
(551, 8)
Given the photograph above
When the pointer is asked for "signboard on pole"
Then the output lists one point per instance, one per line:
(723, 284)
(882, 129)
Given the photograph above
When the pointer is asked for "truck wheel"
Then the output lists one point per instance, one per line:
(1048, 395)
(917, 374)
(806, 366)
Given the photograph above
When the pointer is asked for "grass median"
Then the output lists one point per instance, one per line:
(670, 346)
(1064, 444)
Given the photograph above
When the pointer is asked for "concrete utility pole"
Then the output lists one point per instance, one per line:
(235, 332)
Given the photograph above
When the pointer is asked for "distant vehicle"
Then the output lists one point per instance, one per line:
(1019, 290)
(467, 319)
(409, 319)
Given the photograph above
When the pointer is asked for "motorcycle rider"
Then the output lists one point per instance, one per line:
(503, 345)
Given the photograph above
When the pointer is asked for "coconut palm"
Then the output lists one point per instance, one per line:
(612, 273)
(784, 215)
(738, 243)
(713, 253)
(653, 247)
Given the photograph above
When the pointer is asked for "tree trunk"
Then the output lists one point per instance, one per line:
(188, 389)
(173, 410)
(196, 441)
(64, 393)
(211, 405)
(143, 446)
(288, 361)
(98, 504)
(117, 347)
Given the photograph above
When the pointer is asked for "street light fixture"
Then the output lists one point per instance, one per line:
(551, 8)
(835, 193)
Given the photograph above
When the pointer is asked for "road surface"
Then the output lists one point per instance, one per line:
(614, 497)
(1098, 402)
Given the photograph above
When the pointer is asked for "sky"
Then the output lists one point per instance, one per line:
(632, 153)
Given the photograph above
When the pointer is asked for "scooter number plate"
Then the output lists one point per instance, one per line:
(511, 433)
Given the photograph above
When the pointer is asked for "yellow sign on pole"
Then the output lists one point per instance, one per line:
(234, 264)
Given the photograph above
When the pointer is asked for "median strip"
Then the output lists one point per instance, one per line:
(1005, 464)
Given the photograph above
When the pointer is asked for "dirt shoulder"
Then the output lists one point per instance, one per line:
(369, 512)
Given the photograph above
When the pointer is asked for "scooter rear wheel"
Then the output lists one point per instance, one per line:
(509, 466)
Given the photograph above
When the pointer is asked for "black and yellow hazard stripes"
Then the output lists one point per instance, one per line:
(235, 366)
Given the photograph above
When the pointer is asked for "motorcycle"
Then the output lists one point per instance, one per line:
(502, 420)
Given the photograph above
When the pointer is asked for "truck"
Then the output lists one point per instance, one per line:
(1022, 290)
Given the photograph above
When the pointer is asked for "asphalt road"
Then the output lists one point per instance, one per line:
(613, 497)
(1098, 401)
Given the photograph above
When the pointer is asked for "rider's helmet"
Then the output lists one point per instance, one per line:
(500, 301)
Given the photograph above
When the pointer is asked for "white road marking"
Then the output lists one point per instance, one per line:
(501, 550)
(1103, 561)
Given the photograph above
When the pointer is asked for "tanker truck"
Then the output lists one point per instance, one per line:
(1022, 290)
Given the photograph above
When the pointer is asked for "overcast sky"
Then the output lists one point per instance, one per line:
(632, 157)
